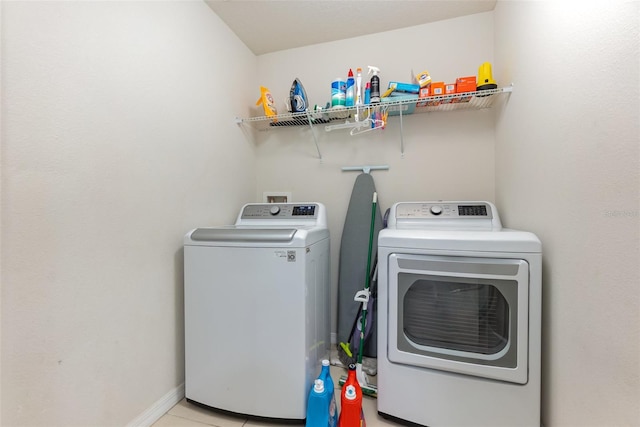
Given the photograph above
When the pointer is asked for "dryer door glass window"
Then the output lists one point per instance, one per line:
(468, 317)
(459, 314)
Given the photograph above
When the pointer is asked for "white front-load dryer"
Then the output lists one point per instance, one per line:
(459, 317)
(257, 315)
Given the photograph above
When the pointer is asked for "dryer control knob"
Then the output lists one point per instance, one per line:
(436, 210)
(275, 210)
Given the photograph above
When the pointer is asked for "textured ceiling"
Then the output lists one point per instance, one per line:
(268, 26)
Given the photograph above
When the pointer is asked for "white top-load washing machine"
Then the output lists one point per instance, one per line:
(459, 317)
(257, 314)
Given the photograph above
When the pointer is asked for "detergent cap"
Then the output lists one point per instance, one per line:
(318, 386)
(350, 392)
(325, 362)
(374, 70)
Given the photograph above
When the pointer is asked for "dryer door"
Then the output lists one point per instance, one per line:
(460, 314)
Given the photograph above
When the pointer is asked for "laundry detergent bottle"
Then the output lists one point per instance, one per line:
(351, 413)
(350, 96)
(318, 405)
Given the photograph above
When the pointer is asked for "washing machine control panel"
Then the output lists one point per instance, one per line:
(280, 210)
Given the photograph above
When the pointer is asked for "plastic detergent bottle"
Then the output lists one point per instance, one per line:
(375, 84)
(351, 413)
(318, 405)
(338, 89)
(325, 375)
(350, 99)
(367, 94)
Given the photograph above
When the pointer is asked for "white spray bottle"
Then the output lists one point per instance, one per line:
(375, 84)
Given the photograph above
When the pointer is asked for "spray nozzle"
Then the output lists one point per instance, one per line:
(374, 70)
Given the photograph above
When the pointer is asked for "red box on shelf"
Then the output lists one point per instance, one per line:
(466, 84)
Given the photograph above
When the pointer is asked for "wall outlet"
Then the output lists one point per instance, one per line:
(276, 197)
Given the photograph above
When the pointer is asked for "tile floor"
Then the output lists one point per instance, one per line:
(185, 414)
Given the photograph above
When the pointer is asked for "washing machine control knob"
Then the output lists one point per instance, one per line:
(274, 210)
(436, 210)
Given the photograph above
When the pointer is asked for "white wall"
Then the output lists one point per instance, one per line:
(567, 168)
(117, 138)
(447, 155)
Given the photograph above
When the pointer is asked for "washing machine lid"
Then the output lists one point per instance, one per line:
(255, 236)
(504, 240)
(224, 234)
(267, 225)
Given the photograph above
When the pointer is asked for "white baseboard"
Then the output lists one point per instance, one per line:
(159, 408)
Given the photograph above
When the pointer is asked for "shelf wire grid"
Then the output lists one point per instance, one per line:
(451, 102)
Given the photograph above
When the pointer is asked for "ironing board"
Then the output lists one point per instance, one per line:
(354, 248)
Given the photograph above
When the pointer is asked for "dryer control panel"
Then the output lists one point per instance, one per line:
(444, 214)
(443, 210)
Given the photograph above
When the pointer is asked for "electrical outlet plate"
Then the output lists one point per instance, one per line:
(276, 197)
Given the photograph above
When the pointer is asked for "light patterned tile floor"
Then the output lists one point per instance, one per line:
(185, 414)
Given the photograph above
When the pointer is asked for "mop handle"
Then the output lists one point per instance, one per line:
(371, 232)
(367, 276)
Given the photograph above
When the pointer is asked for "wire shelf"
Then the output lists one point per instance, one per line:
(453, 102)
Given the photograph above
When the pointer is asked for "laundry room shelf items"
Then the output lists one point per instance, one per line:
(459, 101)
(343, 118)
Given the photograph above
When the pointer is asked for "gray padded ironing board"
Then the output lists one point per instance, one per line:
(354, 248)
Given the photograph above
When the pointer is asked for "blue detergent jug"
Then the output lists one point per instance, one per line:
(325, 375)
(321, 408)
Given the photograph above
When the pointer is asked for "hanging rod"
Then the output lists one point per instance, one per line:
(365, 169)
